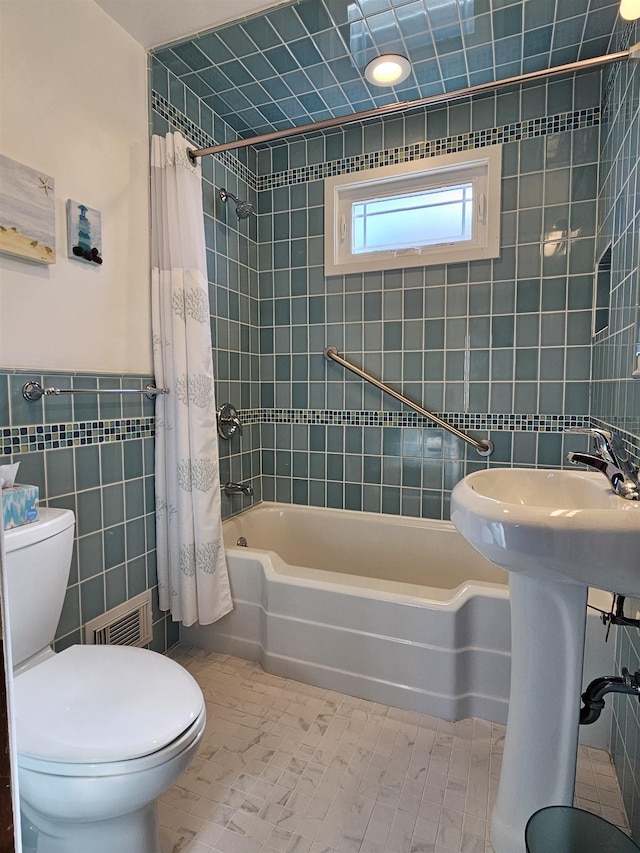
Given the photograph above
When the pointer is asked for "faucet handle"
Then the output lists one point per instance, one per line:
(596, 432)
(613, 459)
(228, 421)
(603, 438)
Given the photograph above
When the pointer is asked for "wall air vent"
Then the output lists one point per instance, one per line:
(129, 624)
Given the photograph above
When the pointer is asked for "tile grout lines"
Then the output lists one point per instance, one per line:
(292, 768)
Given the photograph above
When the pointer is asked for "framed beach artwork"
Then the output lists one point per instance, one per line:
(84, 233)
(27, 212)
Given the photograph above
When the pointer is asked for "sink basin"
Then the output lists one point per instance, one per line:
(553, 525)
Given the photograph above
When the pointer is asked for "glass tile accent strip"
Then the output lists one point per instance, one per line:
(26, 439)
(199, 138)
(461, 420)
(514, 132)
(575, 120)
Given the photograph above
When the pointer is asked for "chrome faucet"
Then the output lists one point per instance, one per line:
(612, 459)
(231, 489)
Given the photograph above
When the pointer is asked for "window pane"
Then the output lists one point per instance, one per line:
(441, 215)
(358, 232)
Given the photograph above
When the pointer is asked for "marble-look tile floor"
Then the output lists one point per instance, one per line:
(291, 768)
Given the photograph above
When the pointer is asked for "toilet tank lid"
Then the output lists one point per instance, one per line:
(49, 523)
(103, 703)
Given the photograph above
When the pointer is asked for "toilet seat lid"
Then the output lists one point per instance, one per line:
(103, 703)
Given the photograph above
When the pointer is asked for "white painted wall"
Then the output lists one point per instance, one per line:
(73, 104)
(157, 22)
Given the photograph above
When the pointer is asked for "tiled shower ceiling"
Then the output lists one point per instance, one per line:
(305, 61)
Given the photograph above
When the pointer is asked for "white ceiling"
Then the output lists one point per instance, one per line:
(158, 22)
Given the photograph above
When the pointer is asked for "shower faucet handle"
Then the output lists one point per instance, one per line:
(228, 421)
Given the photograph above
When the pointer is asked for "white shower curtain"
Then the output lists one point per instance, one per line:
(193, 581)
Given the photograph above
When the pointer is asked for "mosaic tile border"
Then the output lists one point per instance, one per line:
(460, 420)
(195, 134)
(576, 120)
(514, 132)
(27, 439)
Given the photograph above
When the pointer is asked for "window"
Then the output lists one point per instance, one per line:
(442, 210)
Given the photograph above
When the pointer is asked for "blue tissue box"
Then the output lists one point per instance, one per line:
(19, 505)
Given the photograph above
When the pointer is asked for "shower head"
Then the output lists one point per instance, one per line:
(243, 208)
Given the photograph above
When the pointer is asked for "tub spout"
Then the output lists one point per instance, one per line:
(599, 687)
(231, 489)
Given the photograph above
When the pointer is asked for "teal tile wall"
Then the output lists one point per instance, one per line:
(521, 324)
(232, 268)
(616, 393)
(93, 455)
(233, 294)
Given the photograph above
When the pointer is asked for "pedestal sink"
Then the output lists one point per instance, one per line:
(557, 533)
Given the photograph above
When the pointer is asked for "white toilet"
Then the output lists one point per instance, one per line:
(102, 731)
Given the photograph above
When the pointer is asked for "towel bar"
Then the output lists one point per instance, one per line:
(33, 391)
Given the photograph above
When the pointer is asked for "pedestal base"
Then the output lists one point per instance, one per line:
(539, 765)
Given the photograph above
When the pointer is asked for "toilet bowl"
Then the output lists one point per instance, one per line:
(101, 731)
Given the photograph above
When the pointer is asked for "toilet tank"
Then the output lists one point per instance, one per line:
(37, 568)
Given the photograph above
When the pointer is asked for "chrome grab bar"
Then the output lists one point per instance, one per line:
(483, 446)
(33, 391)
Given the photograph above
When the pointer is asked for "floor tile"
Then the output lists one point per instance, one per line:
(291, 768)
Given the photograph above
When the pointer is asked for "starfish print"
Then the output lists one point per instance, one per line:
(45, 185)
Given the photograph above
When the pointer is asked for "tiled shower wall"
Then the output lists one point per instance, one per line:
(232, 260)
(616, 393)
(523, 321)
(92, 454)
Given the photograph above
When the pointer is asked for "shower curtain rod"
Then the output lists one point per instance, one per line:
(403, 106)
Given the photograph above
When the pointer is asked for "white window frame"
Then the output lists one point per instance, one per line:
(483, 167)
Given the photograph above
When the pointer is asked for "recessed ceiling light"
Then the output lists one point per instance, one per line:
(387, 70)
(630, 9)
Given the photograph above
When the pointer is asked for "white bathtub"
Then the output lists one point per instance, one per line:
(396, 610)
